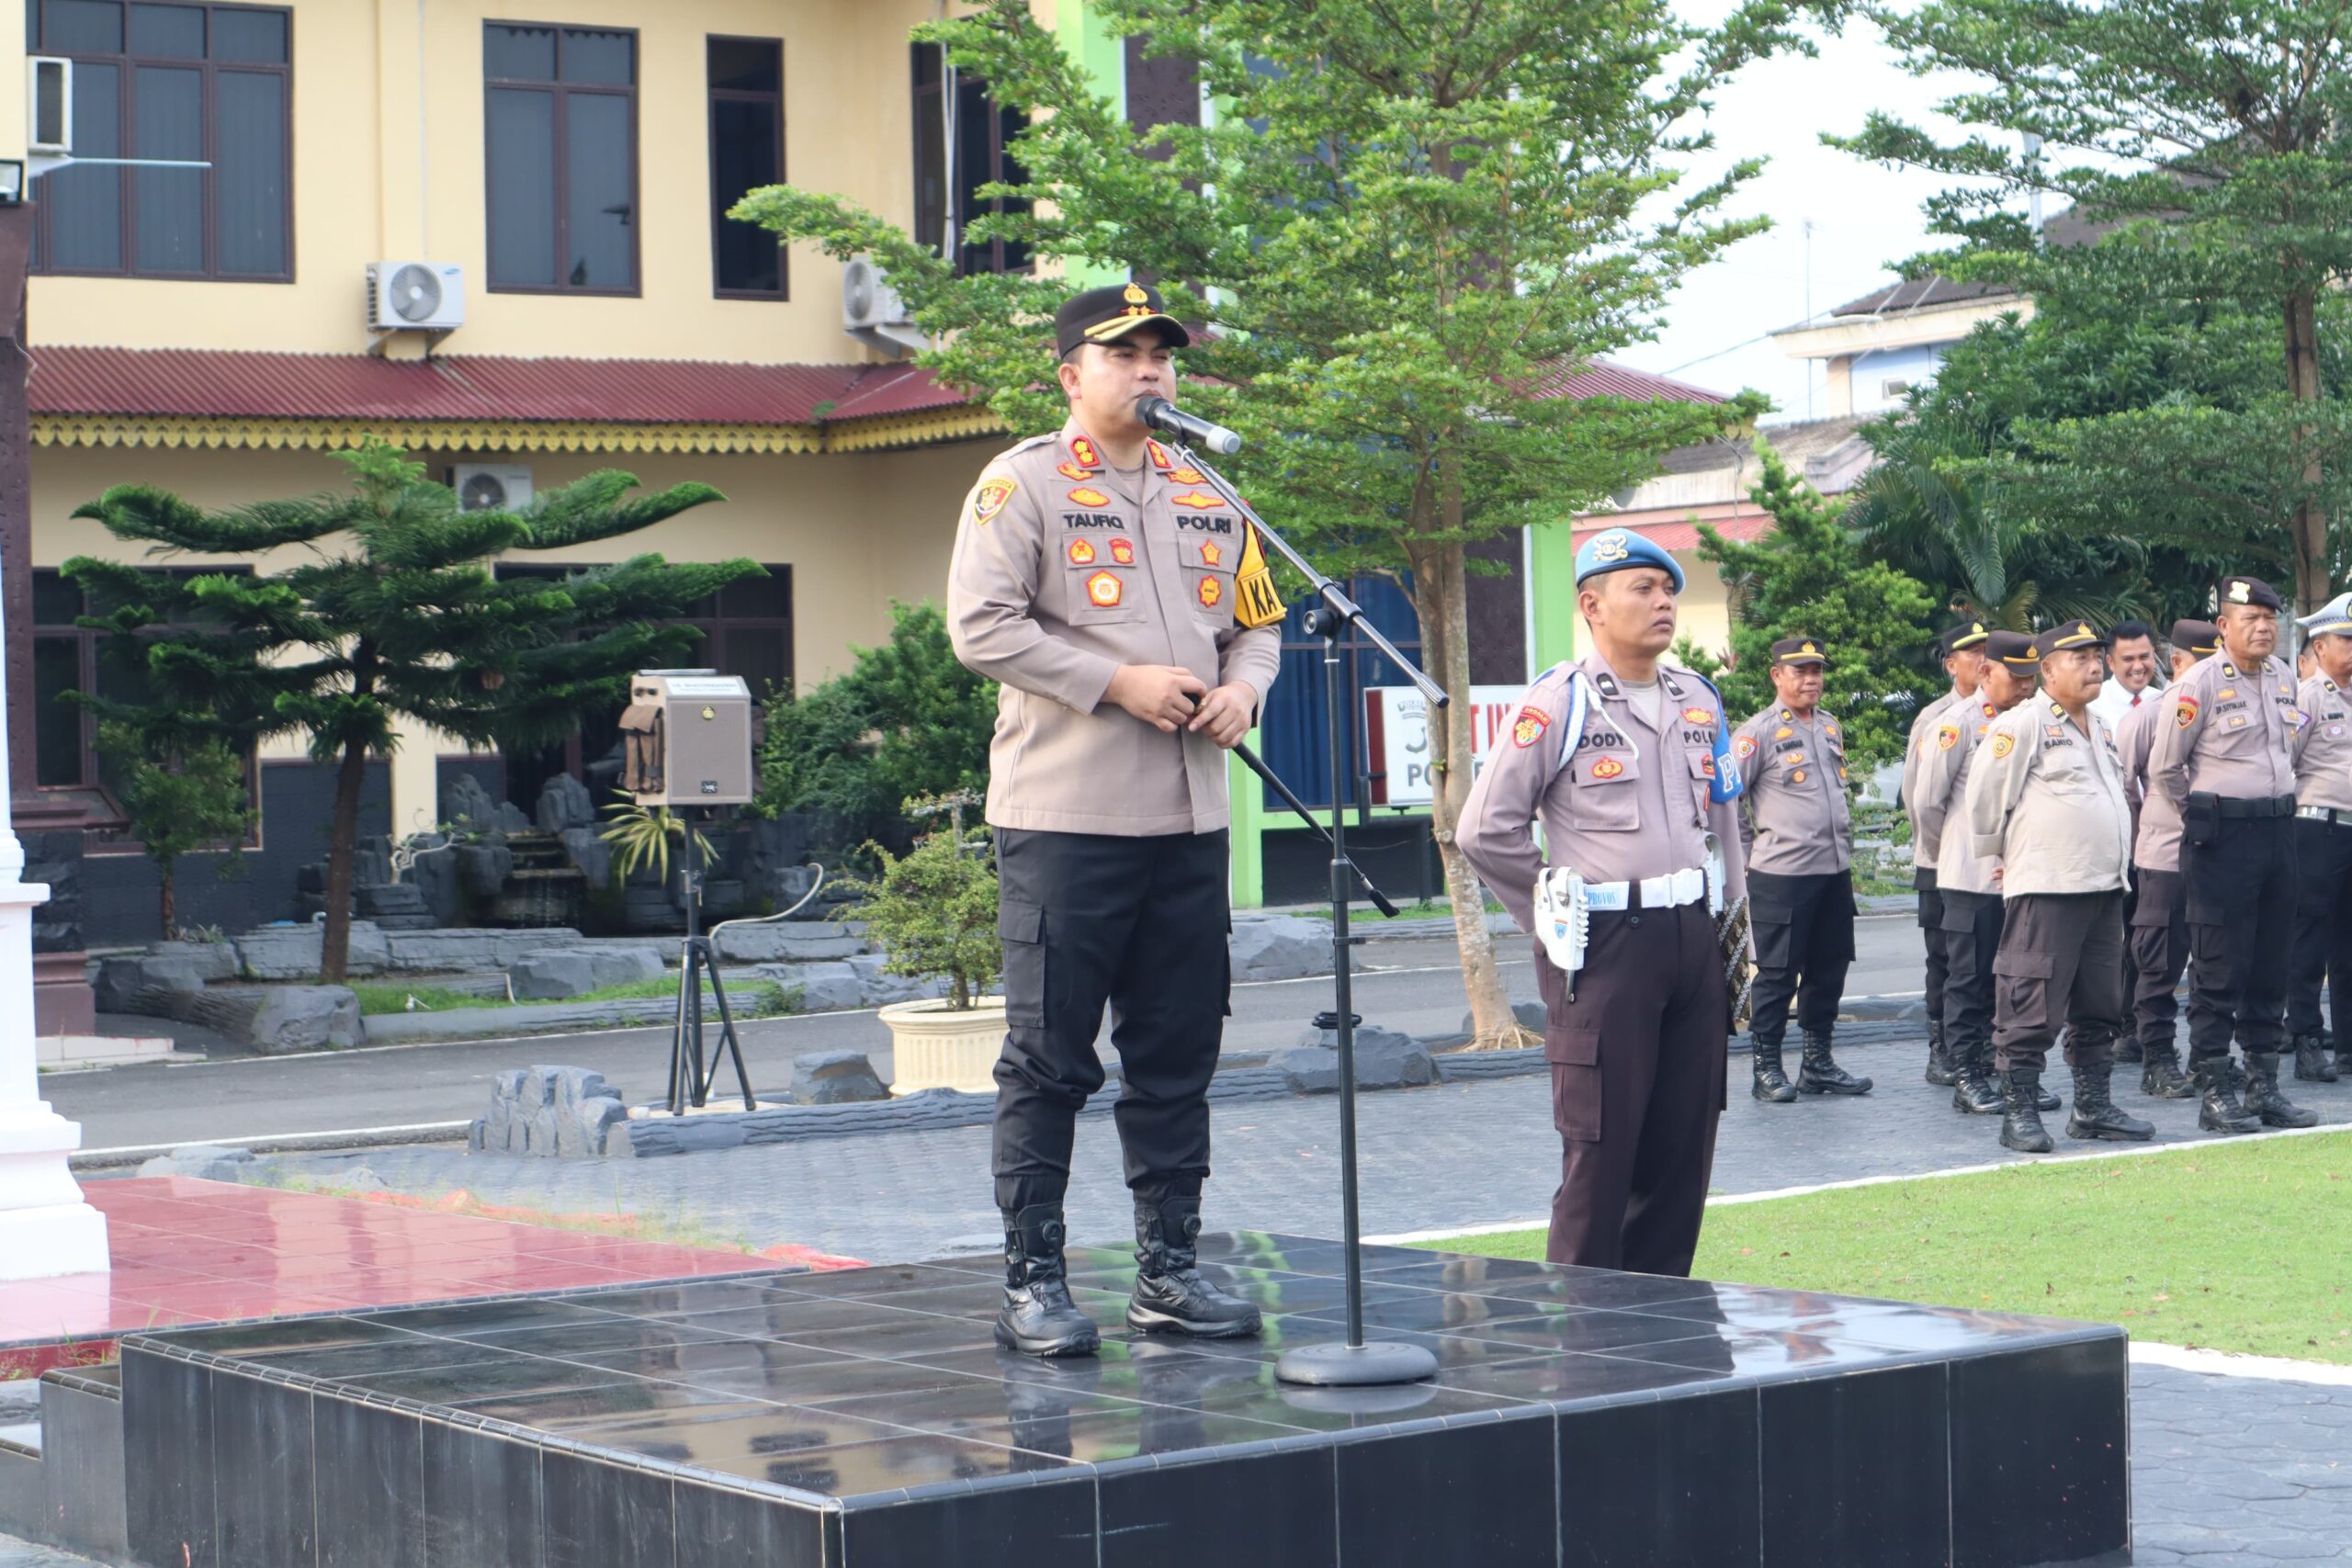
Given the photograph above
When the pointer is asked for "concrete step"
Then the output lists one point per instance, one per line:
(61, 1474)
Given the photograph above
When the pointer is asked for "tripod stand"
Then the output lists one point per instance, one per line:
(1353, 1364)
(689, 1080)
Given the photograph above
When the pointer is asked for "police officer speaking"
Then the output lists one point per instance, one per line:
(2225, 759)
(1962, 650)
(1791, 761)
(2046, 797)
(2158, 929)
(1627, 764)
(1131, 619)
(2324, 849)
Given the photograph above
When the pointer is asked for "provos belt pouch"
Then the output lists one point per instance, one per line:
(2201, 819)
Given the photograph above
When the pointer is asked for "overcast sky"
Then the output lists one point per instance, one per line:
(1864, 216)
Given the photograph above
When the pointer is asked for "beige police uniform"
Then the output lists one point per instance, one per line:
(1111, 841)
(2322, 842)
(1637, 1056)
(2157, 933)
(1917, 743)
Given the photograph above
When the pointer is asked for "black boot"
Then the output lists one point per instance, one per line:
(2021, 1127)
(2160, 1077)
(2127, 1049)
(1976, 1092)
(1942, 1070)
(2263, 1098)
(1771, 1084)
(2096, 1114)
(1170, 1292)
(1038, 1317)
(1819, 1073)
(2220, 1110)
(2312, 1064)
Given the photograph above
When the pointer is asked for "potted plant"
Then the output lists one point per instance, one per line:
(934, 912)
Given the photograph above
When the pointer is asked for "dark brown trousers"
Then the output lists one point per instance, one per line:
(1638, 1063)
(2061, 963)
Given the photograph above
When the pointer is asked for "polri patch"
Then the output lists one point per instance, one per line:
(989, 499)
(1947, 737)
(1530, 725)
(2184, 711)
(1745, 747)
(1103, 590)
(2002, 744)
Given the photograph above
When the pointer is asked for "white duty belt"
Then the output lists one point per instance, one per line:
(1671, 891)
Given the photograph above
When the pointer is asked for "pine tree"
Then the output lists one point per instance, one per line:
(393, 613)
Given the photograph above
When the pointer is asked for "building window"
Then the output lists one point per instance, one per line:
(202, 83)
(950, 171)
(561, 134)
(746, 151)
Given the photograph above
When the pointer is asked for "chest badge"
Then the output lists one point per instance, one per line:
(1103, 590)
(1198, 500)
(1081, 552)
(1530, 725)
(1085, 497)
(1608, 768)
(1210, 554)
(1698, 715)
(1072, 471)
(1212, 590)
(1798, 776)
(1782, 733)
(1123, 551)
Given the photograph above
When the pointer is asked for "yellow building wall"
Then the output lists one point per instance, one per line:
(1703, 610)
(377, 82)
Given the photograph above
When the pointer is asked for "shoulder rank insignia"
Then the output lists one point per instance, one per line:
(1085, 497)
(1530, 725)
(1698, 715)
(2002, 744)
(1103, 590)
(1188, 477)
(1159, 457)
(1607, 768)
(1072, 471)
(1198, 499)
(1990, 711)
(1833, 731)
(1123, 551)
(989, 499)
(1084, 451)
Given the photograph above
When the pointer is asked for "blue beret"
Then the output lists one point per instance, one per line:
(1614, 549)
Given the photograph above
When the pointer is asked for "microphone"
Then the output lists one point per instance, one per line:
(1169, 420)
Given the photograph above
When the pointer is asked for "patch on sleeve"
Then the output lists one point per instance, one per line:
(2184, 710)
(1745, 747)
(2002, 744)
(989, 499)
(1947, 737)
(1530, 725)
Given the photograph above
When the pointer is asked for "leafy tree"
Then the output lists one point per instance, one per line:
(391, 611)
(2210, 140)
(1808, 578)
(1401, 226)
(183, 802)
(933, 910)
(906, 720)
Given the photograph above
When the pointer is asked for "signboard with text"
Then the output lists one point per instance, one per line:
(1400, 749)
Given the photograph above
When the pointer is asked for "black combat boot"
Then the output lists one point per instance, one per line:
(2263, 1099)
(1771, 1084)
(2311, 1064)
(2160, 1077)
(1942, 1071)
(2021, 1126)
(1977, 1091)
(1819, 1073)
(2096, 1114)
(2220, 1110)
(1169, 1293)
(2127, 1049)
(1038, 1317)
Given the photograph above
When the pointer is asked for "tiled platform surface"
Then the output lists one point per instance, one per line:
(186, 1251)
(864, 1419)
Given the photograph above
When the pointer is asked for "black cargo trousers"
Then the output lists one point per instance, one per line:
(1139, 923)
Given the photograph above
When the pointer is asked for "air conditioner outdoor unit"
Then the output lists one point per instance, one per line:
(48, 84)
(411, 295)
(491, 487)
(872, 311)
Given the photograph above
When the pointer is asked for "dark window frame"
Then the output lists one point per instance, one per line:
(87, 640)
(561, 91)
(1004, 124)
(719, 202)
(127, 186)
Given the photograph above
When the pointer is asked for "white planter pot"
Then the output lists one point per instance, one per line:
(933, 1045)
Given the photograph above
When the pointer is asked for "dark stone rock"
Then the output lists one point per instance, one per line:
(486, 867)
(1529, 1016)
(465, 804)
(564, 803)
(1278, 947)
(835, 1077)
(592, 854)
(1385, 1059)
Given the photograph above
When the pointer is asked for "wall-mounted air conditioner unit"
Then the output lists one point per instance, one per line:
(414, 296)
(491, 487)
(872, 311)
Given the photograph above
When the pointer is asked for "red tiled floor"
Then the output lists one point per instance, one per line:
(189, 1251)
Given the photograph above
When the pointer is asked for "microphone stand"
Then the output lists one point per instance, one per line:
(1354, 1364)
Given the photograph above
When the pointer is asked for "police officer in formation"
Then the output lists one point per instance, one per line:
(2225, 759)
(1626, 764)
(1967, 876)
(1791, 760)
(1961, 650)
(2323, 846)
(2157, 934)
(2046, 798)
(1127, 612)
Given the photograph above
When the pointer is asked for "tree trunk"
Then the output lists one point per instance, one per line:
(171, 911)
(2308, 528)
(1439, 581)
(334, 953)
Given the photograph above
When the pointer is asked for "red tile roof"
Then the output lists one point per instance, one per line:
(1606, 378)
(200, 383)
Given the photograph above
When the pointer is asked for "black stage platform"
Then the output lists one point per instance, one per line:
(864, 1419)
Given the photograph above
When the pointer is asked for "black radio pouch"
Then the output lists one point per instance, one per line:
(2201, 819)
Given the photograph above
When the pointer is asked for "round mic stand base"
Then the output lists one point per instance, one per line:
(1371, 1365)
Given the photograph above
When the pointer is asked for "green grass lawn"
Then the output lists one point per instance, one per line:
(2244, 1247)
(762, 998)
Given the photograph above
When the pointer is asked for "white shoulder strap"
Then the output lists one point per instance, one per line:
(1571, 732)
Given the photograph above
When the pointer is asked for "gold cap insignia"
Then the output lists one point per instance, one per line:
(1136, 296)
(1610, 546)
(2240, 593)
(1808, 651)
